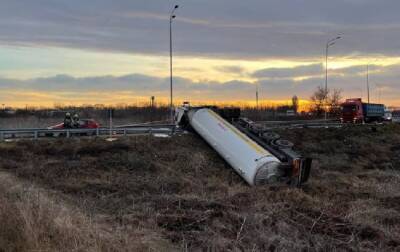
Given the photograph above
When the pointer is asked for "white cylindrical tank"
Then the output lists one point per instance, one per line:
(255, 164)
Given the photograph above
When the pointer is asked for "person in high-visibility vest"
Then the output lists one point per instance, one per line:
(75, 121)
(67, 121)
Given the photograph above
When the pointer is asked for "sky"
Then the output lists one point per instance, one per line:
(75, 52)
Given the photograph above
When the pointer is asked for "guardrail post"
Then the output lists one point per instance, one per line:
(68, 134)
(150, 131)
(97, 131)
(35, 134)
(2, 136)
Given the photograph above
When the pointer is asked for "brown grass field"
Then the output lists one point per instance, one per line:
(167, 194)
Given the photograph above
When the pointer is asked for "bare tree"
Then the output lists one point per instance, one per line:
(295, 103)
(334, 101)
(318, 99)
(322, 99)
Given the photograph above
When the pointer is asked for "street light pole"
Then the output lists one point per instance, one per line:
(379, 94)
(257, 97)
(329, 43)
(326, 70)
(368, 81)
(172, 16)
(379, 87)
(369, 63)
(257, 108)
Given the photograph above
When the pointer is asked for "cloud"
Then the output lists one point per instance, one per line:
(137, 84)
(300, 71)
(233, 28)
(230, 69)
(318, 70)
(356, 70)
(128, 88)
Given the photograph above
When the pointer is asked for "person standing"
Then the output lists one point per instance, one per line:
(75, 120)
(67, 121)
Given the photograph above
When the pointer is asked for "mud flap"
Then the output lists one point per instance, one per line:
(300, 171)
(305, 170)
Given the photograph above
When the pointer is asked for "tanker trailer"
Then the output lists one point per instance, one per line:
(255, 164)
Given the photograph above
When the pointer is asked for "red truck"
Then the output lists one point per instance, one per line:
(356, 111)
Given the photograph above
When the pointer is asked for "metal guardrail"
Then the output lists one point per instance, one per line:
(36, 133)
(305, 125)
(152, 123)
(290, 124)
(311, 121)
(310, 124)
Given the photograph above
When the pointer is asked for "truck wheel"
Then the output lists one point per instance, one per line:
(281, 143)
(270, 136)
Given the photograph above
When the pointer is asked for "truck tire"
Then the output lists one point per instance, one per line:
(270, 136)
(282, 143)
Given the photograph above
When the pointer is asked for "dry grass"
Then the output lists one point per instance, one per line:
(33, 219)
(151, 190)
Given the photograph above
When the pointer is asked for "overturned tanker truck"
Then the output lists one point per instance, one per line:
(258, 156)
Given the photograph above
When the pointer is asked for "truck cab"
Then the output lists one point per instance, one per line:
(352, 111)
